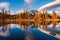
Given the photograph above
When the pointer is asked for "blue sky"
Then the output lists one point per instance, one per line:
(16, 5)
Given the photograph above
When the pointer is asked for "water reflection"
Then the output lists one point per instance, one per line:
(25, 25)
(27, 31)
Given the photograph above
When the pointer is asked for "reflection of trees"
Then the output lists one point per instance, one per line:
(24, 24)
(39, 19)
(54, 22)
(5, 27)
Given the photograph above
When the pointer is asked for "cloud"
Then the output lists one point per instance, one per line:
(4, 5)
(57, 2)
(11, 12)
(57, 12)
(28, 4)
(4, 34)
(57, 27)
(14, 25)
(28, 1)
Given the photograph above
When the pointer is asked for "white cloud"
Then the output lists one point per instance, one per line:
(14, 25)
(28, 4)
(4, 34)
(11, 12)
(0, 10)
(28, 1)
(4, 5)
(49, 5)
(57, 12)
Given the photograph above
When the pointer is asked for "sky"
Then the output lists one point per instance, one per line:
(16, 5)
(55, 5)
